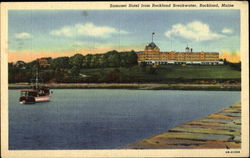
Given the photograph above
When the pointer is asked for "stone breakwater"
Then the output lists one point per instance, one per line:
(218, 130)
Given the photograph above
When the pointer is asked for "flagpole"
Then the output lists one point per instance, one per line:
(153, 37)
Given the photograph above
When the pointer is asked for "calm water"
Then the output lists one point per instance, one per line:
(106, 119)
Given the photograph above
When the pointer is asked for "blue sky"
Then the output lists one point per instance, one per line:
(94, 31)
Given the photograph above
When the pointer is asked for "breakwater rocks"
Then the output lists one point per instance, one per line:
(218, 130)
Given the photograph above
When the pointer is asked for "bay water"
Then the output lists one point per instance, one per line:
(106, 118)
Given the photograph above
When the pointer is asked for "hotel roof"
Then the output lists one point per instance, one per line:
(151, 45)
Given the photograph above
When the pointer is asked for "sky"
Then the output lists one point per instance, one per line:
(43, 33)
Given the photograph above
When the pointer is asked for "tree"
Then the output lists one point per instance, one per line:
(114, 60)
(76, 60)
(31, 64)
(225, 61)
(75, 71)
(60, 63)
(86, 60)
(128, 59)
(94, 61)
(143, 66)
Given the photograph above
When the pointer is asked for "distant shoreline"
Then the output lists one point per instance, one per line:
(140, 86)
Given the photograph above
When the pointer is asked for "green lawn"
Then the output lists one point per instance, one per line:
(165, 72)
(198, 72)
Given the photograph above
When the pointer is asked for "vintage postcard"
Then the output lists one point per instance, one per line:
(124, 79)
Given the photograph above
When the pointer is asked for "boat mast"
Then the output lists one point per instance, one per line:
(36, 78)
(37, 69)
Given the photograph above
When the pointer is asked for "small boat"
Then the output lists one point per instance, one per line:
(36, 94)
(41, 94)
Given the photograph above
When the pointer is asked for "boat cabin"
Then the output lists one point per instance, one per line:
(26, 93)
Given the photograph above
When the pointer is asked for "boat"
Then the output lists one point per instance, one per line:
(42, 94)
(37, 94)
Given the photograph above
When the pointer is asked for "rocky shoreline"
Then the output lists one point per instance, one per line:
(220, 130)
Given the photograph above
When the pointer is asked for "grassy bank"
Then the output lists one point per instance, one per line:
(168, 77)
(219, 130)
(226, 87)
(164, 74)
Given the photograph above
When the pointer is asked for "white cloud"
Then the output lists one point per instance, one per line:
(195, 30)
(78, 43)
(85, 44)
(227, 31)
(88, 29)
(23, 35)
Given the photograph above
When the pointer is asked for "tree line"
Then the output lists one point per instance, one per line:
(64, 69)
